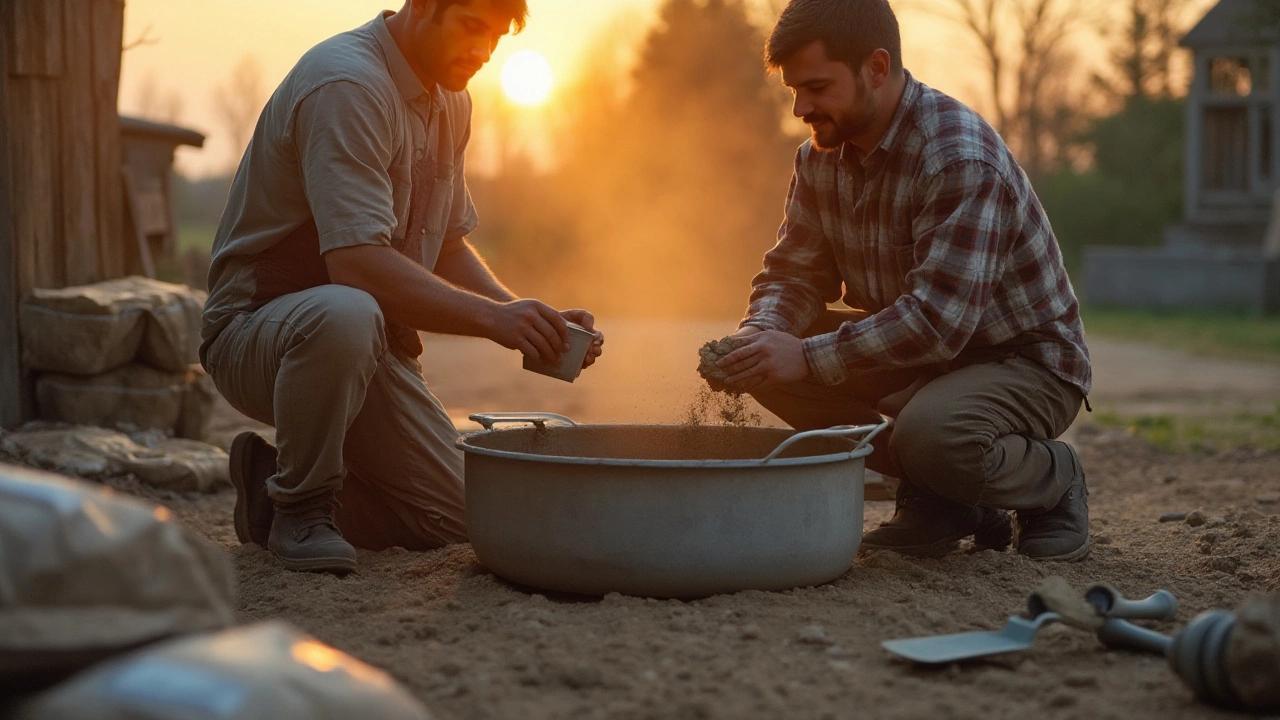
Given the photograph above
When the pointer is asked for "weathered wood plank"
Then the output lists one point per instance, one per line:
(108, 36)
(12, 383)
(33, 121)
(37, 38)
(81, 252)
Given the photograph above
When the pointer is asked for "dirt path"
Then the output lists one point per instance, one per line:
(472, 646)
(1140, 379)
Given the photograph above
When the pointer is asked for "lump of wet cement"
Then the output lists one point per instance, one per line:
(712, 352)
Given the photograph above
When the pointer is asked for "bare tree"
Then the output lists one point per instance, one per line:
(142, 39)
(1025, 50)
(154, 103)
(981, 19)
(1145, 55)
(239, 103)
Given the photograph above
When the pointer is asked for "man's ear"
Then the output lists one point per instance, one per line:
(877, 68)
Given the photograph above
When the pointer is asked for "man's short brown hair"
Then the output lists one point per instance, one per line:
(849, 29)
(519, 10)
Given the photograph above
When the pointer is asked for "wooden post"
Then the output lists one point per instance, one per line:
(36, 34)
(108, 37)
(82, 250)
(11, 380)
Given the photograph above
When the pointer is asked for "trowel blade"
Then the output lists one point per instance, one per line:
(1017, 634)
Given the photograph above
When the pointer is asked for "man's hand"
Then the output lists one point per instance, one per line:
(769, 358)
(588, 322)
(532, 327)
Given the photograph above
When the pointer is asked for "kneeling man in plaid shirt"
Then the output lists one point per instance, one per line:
(908, 206)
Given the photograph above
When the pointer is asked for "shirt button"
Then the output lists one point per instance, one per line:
(424, 231)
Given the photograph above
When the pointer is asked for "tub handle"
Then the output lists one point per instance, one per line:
(869, 432)
(539, 419)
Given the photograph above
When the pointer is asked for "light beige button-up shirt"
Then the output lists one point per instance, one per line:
(351, 149)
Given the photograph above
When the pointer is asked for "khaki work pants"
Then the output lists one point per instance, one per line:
(976, 435)
(350, 416)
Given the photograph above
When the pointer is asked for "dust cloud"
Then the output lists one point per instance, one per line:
(669, 178)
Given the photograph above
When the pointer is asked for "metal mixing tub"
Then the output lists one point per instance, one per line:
(663, 510)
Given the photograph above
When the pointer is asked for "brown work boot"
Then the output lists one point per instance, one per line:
(304, 537)
(1061, 532)
(926, 525)
(253, 460)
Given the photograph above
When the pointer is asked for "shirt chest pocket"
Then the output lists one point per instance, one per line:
(434, 221)
(439, 205)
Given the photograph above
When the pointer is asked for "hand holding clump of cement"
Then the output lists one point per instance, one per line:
(710, 354)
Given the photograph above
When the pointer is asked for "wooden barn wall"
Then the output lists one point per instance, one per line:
(61, 76)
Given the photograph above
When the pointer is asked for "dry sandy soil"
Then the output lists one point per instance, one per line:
(472, 646)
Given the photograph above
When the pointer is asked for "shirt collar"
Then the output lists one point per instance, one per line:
(402, 73)
(910, 93)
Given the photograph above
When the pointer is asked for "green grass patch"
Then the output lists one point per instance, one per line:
(1238, 336)
(1204, 434)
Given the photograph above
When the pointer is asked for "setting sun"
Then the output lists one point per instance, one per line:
(526, 78)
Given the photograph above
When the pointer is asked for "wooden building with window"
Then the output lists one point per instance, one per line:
(1233, 161)
(1219, 255)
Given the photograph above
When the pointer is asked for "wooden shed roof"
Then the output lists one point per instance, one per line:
(1236, 22)
(159, 131)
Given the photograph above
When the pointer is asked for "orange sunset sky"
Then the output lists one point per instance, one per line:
(191, 47)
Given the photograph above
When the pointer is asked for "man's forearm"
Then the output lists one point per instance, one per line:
(410, 295)
(466, 269)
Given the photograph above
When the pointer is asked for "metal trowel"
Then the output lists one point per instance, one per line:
(1018, 633)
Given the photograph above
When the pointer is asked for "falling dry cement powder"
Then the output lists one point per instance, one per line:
(714, 404)
(720, 408)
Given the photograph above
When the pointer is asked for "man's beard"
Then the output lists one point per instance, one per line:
(854, 121)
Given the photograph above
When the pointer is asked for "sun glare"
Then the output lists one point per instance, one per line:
(526, 78)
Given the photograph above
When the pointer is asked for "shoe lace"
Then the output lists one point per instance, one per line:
(315, 515)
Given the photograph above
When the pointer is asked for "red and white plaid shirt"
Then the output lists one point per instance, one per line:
(938, 233)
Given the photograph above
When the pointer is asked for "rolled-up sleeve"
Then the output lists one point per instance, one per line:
(343, 139)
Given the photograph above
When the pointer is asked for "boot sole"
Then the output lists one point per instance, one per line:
(239, 473)
(1076, 555)
(336, 565)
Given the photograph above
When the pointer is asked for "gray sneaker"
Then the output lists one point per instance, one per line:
(304, 538)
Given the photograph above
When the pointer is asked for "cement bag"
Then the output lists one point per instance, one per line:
(269, 671)
(86, 574)
(89, 329)
(133, 397)
(157, 460)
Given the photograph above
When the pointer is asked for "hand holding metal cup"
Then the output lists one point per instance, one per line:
(571, 361)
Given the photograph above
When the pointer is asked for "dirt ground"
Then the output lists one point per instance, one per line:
(472, 646)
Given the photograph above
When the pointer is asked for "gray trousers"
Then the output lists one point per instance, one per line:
(976, 435)
(350, 417)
